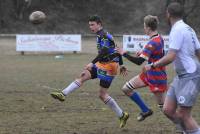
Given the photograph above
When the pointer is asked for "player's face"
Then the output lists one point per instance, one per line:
(94, 26)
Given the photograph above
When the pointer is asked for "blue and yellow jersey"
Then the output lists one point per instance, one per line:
(106, 48)
(105, 40)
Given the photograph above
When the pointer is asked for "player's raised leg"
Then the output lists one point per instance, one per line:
(60, 95)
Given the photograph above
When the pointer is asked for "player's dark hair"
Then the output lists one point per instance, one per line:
(151, 21)
(175, 10)
(95, 18)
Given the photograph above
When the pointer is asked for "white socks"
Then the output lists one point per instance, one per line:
(109, 101)
(197, 131)
(114, 106)
(73, 86)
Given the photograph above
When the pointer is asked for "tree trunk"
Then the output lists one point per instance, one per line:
(20, 7)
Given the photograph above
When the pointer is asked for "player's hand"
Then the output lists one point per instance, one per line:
(88, 66)
(138, 53)
(146, 67)
(123, 71)
(120, 50)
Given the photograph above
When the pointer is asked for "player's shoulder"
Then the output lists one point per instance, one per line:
(157, 39)
(178, 28)
(152, 42)
(105, 35)
(109, 36)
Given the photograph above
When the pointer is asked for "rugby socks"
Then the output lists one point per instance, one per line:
(138, 100)
(114, 106)
(197, 131)
(73, 86)
(160, 106)
(179, 128)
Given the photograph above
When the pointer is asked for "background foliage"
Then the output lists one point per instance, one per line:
(70, 16)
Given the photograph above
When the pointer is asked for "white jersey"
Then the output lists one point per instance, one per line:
(184, 41)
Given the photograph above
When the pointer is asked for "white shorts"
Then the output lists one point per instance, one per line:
(184, 90)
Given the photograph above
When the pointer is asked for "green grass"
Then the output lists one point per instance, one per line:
(27, 108)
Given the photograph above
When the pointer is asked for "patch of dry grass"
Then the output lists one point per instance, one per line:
(27, 108)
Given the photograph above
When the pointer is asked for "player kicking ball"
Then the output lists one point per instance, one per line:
(104, 67)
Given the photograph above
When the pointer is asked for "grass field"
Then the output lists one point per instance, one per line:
(27, 108)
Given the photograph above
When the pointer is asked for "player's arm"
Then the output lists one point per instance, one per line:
(167, 59)
(123, 69)
(133, 59)
(137, 60)
(120, 60)
(95, 59)
(197, 48)
(174, 47)
(100, 57)
(198, 54)
(113, 45)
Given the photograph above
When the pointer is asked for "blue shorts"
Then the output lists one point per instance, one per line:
(105, 80)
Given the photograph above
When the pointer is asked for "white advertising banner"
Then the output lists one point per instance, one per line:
(56, 43)
(134, 43)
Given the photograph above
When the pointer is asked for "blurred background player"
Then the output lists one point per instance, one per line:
(155, 78)
(104, 66)
(184, 52)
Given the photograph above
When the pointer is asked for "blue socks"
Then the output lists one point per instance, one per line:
(138, 100)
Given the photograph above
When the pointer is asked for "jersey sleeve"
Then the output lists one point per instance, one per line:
(196, 42)
(175, 39)
(147, 50)
(109, 41)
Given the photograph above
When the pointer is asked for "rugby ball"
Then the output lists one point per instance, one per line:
(37, 17)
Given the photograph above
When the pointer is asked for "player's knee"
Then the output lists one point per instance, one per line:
(127, 89)
(103, 95)
(168, 112)
(84, 76)
(183, 114)
(179, 114)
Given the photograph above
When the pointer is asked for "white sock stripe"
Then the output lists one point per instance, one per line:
(128, 84)
(71, 87)
(114, 106)
(128, 87)
(195, 131)
(160, 106)
(133, 84)
(77, 83)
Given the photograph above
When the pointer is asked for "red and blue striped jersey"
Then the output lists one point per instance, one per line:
(152, 52)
